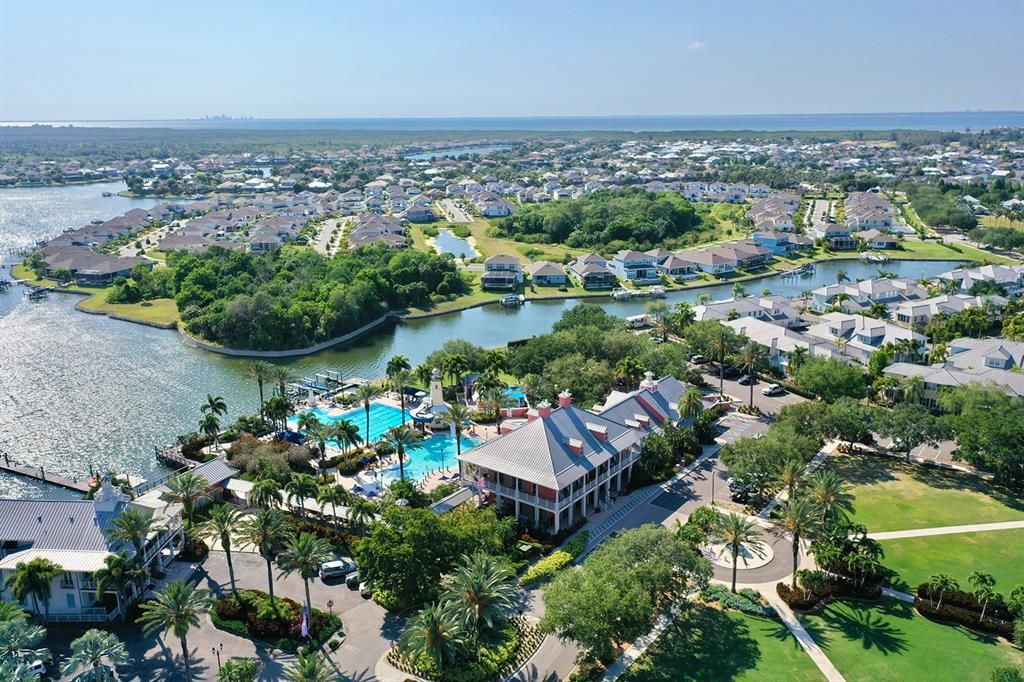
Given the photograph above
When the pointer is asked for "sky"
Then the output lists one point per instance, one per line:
(159, 60)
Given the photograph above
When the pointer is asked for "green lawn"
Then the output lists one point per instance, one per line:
(893, 495)
(705, 644)
(914, 560)
(934, 250)
(162, 311)
(889, 641)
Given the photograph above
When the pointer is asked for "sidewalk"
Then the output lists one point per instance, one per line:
(802, 636)
(947, 530)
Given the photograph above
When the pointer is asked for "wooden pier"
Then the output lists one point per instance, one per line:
(40, 474)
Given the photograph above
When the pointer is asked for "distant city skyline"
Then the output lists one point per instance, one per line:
(63, 61)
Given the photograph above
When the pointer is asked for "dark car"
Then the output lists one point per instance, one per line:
(730, 372)
(746, 380)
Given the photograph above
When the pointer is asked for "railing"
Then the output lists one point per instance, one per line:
(97, 615)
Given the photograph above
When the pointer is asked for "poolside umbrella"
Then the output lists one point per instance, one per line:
(421, 394)
(402, 502)
(305, 624)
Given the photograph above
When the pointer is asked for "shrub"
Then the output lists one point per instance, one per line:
(965, 617)
(546, 568)
(577, 544)
(996, 607)
(747, 601)
(1007, 675)
(800, 599)
(249, 614)
(1018, 633)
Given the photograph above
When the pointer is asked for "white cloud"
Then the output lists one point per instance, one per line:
(696, 45)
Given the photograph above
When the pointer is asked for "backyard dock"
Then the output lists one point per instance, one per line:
(39, 474)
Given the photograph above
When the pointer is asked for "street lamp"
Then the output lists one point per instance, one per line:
(216, 650)
(714, 475)
(330, 606)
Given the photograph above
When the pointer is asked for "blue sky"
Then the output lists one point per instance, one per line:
(125, 60)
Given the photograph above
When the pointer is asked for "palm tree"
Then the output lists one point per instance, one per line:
(797, 357)
(499, 398)
(399, 380)
(436, 631)
(305, 555)
(913, 388)
(691, 404)
(397, 363)
(265, 493)
(752, 359)
(209, 426)
(457, 415)
(188, 489)
(703, 298)
(281, 376)
(131, 527)
(361, 512)
(98, 652)
(307, 422)
(791, 475)
(300, 487)
(684, 315)
(224, 525)
(177, 609)
(455, 365)
(938, 353)
(738, 290)
(942, 583)
(799, 521)
(721, 348)
(399, 438)
(628, 369)
(831, 496)
(310, 667)
(344, 433)
(20, 640)
(214, 405)
(11, 611)
(333, 495)
(366, 394)
(737, 531)
(532, 385)
(259, 371)
(422, 374)
(121, 575)
(482, 589)
(496, 361)
(984, 584)
(841, 277)
(267, 531)
(878, 310)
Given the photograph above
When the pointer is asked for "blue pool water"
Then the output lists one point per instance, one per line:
(431, 454)
(383, 418)
(516, 393)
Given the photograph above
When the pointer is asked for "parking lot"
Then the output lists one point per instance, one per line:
(769, 405)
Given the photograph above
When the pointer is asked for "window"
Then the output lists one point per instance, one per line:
(67, 581)
(71, 600)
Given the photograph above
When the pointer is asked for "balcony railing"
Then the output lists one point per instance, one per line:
(96, 615)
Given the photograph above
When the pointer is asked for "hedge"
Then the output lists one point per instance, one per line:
(801, 600)
(996, 607)
(577, 544)
(546, 568)
(747, 601)
(966, 617)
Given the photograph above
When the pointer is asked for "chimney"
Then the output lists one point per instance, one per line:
(599, 432)
(544, 410)
(649, 383)
(576, 445)
(564, 399)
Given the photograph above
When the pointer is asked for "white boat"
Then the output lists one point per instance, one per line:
(621, 294)
(513, 299)
(657, 292)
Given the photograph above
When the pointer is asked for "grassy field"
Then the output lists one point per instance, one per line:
(933, 250)
(914, 560)
(1000, 221)
(892, 495)
(705, 644)
(159, 311)
(889, 641)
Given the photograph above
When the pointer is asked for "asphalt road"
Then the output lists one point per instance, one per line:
(770, 405)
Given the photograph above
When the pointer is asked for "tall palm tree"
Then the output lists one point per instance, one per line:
(913, 388)
(307, 422)
(752, 358)
(361, 512)
(281, 376)
(11, 611)
(499, 398)
(209, 426)
(797, 357)
(738, 290)
(305, 555)
(737, 531)
(455, 365)
(188, 489)
(436, 631)
(684, 315)
(268, 532)
(482, 589)
(457, 415)
(399, 380)
(942, 583)
(176, 609)
(20, 640)
(496, 361)
(400, 437)
(366, 394)
(333, 495)
(790, 476)
(259, 371)
(984, 584)
(533, 386)
(722, 346)
(344, 433)
(629, 369)
(799, 521)
(131, 527)
(122, 575)
(265, 493)
(691, 404)
(310, 667)
(841, 277)
(223, 525)
(214, 405)
(703, 298)
(300, 487)
(98, 652)
(397, 363)
(422, 374)
(831, 495)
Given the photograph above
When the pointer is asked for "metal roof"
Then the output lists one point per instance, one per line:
(55, 524)
(86, 561)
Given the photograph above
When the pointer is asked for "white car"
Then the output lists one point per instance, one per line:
(338, 568)
(773, 389)
(37, 668)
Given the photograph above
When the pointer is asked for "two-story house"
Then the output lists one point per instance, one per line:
(634, 266)
(591, 271)
(502, 272)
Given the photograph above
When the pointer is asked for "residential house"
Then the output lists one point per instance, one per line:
(634, 266)
(502, 272)
(877, 240)
(858, 337)
(547, 273)
(921, 313)
(1009, 277)
(591, 271)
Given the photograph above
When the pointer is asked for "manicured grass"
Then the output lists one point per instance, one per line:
(19, 271)
(934, 250)
(489, 246)
(893, 495)
(914, 560)
(1000, 221)
(160, 310)
(890, 641)
(706, 644)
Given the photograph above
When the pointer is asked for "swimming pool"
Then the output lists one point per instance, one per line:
(433, 453)
(383, 418)
(516, 393)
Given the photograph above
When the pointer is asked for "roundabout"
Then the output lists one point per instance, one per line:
(720, 554)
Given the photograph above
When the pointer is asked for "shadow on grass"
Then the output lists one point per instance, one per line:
(869, 624)
(702, 644)
(948, 480)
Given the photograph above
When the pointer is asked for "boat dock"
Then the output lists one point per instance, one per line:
(39, 474)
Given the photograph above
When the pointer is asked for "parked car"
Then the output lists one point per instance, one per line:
(773, 389)
(352, 580)
(365, 591)
(730, 372)
(698, 359)
(37, 668)
(746, 380)
(337, 568)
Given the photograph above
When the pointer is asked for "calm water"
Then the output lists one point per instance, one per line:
(950, 120)
(79, 390)
(447, 242)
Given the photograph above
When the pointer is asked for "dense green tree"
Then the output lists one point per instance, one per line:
(910, 425)
(831, 379)
(989, 430)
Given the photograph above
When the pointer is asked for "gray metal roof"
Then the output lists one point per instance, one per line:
(55, 524)
(215, 471)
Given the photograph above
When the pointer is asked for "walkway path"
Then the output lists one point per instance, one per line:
(946, 530)
(806, 641)
(896, 594)
(637, 648)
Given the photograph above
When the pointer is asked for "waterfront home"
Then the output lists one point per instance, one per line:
(712, 261)
(877, 240)
(777, 310)
(746, 253)
(1009, 277)
(566, 462)
(780, 243)
(676, 267)
(72, 534)
(502, 272)
(634, 266)
(547, 273)
(837, 236)
(854, 297)
(858, 337)
(90, 268)
(591, 271)
(919, 313)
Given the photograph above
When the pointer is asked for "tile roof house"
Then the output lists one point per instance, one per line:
(591, 271)
(547, 273)
(635, 266)
(502, 272)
